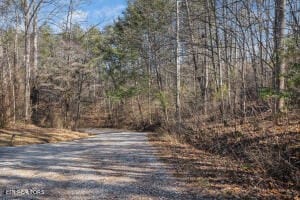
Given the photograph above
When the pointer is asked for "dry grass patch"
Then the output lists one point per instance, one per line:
(21, 134)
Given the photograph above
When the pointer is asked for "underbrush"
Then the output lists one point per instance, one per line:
(216, 176)
(268, 151)
(274, 152)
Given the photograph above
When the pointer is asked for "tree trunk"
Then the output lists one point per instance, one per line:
(35, 48)
(178, 65)
(35, 65)
(280, 65)
(16, 63)
(27, 61)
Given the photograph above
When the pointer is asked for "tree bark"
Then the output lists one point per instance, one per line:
(26, 12)
(280, 65)
(178, 64)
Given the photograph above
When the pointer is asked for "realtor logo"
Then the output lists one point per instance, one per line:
(23, 192)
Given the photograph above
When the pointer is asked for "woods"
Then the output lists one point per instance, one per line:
(192, 68)
(221, 55)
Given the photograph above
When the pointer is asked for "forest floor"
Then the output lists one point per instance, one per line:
(236, 162)
(21, 134)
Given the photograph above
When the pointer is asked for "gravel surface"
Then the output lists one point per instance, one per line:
(109, 165)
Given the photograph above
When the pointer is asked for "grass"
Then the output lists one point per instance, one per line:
(20, 134)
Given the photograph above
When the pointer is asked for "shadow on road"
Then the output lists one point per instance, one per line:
(107, 166)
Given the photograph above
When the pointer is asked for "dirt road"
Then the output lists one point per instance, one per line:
(109, 165)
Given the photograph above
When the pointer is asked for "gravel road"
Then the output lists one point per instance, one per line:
(109, 165)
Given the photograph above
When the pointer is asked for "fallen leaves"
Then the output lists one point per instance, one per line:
(224, 166)
(21, 134)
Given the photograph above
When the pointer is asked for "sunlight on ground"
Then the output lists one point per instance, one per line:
(21, 134)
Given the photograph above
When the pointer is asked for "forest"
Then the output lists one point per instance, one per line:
(222, 76)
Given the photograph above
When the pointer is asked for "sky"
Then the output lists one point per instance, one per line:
(102, 12)
(87, 13)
